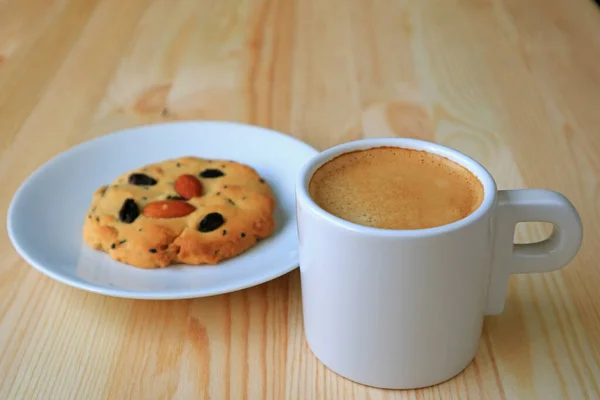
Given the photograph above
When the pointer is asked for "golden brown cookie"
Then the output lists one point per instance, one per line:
(187, 210)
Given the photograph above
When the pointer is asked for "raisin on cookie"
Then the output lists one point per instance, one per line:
(187, 210)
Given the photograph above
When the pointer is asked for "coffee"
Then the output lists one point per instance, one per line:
(396, 188)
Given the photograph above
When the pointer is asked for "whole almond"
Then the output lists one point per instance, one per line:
(188, 186)
(168, 209)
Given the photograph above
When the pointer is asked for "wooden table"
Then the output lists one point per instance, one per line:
(515, 84)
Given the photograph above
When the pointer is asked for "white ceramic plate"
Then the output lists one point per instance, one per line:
(45, 217)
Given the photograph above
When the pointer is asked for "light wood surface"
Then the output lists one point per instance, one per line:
(515, 84)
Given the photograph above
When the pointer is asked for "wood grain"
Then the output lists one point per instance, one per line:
(515, 84)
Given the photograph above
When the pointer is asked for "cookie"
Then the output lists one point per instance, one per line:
(181, 211)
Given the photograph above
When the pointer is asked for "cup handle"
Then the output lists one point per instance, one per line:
(534, 205)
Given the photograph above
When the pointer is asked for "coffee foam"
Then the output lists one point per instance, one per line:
(396, 188)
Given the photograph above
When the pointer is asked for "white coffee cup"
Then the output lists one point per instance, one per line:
(404, 309)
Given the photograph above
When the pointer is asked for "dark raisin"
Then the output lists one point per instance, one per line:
(129, 211)
(231, 202)
(112, 246)
(224, 232)
(218, 193)
(141, 180)
(211, 222)
(152, 250)
(224, 186)
(261, 180)
(243, 234)
(140, 229)
(175, 198)
(178, 165)
(211, 173)
(122, 241)
(97, 219)
(217, 251)
(144, 198)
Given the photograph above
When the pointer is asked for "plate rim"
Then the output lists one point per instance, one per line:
(143, 295)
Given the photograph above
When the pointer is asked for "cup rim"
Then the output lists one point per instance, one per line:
(486, 179)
